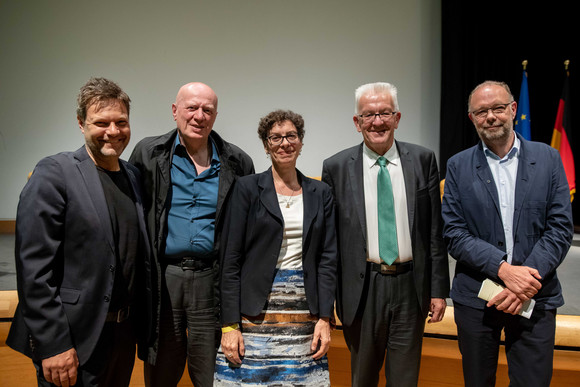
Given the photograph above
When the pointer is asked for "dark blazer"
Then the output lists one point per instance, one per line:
(253, 238)
(64, 255)
(152, 156)
(473, 230)
(344, 173)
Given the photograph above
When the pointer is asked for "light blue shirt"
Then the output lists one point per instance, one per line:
(504, 171)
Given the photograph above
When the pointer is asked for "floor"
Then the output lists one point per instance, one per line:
(568, 272)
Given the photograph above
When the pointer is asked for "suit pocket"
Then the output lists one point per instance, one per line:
(535, 206)
(70, 296)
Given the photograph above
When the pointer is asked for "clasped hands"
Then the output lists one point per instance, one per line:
(234, 350)
(522, 283)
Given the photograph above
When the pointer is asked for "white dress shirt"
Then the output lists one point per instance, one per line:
(370, 172)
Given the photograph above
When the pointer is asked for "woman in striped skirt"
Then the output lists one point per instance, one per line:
(278, 269)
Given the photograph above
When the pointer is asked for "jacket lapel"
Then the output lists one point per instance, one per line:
(355, 171)
(526, 168)
(226, 181)
(268, 196)
(138, 201)
(96, 195)
(311, 205)
(484, 174)
(162, 154)
(409, 177)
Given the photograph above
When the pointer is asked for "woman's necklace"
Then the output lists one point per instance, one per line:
(288, 198)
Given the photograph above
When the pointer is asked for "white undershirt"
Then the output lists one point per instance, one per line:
(290, 256)
(370, 172)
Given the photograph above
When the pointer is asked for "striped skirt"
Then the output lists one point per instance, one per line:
(277, 342)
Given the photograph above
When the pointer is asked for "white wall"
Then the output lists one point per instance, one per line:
(304, 55)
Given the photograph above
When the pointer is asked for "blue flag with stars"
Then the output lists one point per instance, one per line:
(523, 115)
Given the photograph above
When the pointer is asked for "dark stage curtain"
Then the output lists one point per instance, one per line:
(488, 41)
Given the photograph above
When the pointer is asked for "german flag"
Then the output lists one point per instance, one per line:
(560, 139)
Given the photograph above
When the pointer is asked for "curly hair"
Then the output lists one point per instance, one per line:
(100, 91)
(277, 117)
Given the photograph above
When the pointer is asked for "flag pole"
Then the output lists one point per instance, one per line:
(522, 122)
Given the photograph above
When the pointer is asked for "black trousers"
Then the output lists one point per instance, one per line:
(111, 363)
(529, 345)
(188, 328)
(389, 321)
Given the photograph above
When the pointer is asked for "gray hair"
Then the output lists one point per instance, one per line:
(373, 89)
(489, 83)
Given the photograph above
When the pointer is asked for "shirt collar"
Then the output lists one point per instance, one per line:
(513, 152)
(371, 156)
(215, 160)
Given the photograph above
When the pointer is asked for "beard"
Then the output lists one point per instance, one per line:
(501, 135)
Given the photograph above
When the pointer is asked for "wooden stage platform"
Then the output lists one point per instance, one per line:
(440, 362)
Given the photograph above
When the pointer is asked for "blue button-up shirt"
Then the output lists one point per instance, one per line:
(191, 219)
(505, 171)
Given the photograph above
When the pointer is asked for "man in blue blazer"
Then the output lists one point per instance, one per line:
(383, 306)
(82, 254)
(507, 217)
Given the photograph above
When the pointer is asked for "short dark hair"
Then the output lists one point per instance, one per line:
(100, 91)
(277, 117)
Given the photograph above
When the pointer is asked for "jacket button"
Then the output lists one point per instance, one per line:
(362, 275)
(111, 268)
(500, 243)
(107, 298)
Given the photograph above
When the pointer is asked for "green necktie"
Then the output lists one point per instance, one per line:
(388, 247)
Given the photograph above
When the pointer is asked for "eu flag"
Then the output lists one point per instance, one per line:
(523, 115)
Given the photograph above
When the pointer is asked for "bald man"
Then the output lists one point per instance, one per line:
(187, 175)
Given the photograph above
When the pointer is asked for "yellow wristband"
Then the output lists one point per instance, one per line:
(230, 328)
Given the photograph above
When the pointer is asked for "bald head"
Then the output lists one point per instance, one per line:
(196, 89)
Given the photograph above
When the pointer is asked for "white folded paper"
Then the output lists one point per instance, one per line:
(490, 289)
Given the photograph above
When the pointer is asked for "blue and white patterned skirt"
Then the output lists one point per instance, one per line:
(277, 342)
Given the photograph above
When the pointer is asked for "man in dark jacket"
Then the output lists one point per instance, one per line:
(187, 174)
(82, 254)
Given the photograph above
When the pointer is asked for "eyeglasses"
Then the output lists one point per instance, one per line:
(370, 117)
(500, 109)
(276, 139)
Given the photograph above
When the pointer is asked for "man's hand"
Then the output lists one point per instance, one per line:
(322, 335)
(61, 369)
(521, 280)
(233, 346)
(506, 301)
(436, 310)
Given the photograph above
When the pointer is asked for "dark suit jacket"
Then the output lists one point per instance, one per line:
(344, 173)
(542, 227)
(64, 255)
(253, 238)
(152, 156)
